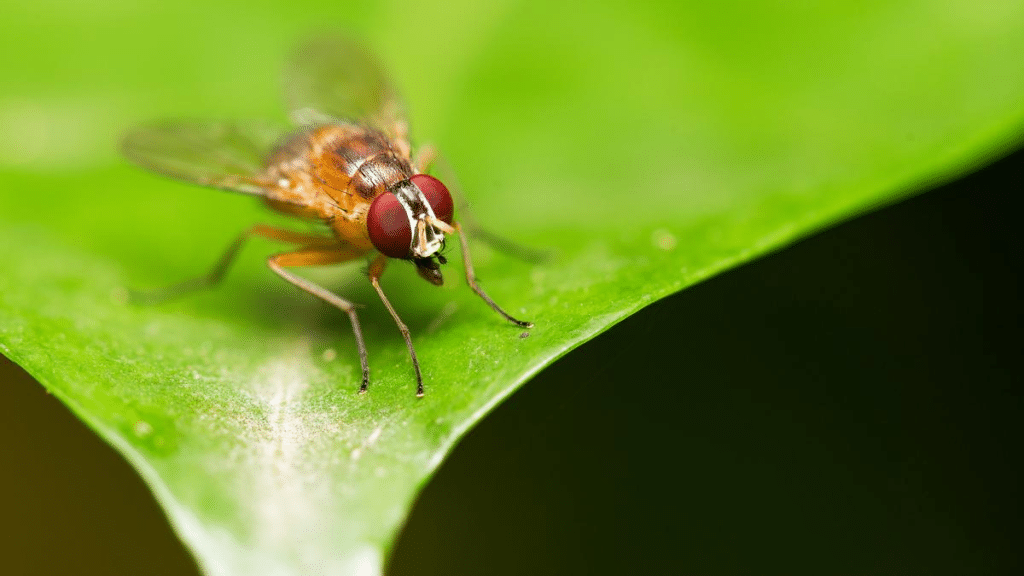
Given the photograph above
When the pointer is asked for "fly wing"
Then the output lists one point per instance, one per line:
(226, 155)
(334, 79)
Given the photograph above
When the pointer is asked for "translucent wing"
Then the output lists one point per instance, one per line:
(226, 155)
(332, 79)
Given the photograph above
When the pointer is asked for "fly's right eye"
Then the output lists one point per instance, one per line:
(389, 226)
(437, 194)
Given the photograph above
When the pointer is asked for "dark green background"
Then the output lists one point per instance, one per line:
(851, 406)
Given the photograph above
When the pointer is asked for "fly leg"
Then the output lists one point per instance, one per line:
(471, 280)
(423, 160)
(221, 267)
(316, 256)
(376, 270)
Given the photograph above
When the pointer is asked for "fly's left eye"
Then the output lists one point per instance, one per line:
(388, 224)
(437, 195)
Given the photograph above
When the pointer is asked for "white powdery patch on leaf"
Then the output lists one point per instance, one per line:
(282, 479)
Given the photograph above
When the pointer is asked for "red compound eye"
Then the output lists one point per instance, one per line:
(388, 224)
(437, 195)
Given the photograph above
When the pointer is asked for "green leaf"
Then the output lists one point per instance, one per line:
(649, 145)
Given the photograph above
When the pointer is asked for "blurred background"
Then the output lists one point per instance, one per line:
(871, 425)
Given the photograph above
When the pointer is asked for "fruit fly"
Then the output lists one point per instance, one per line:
(347, 163)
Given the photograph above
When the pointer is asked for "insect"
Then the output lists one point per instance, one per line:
(347, 163)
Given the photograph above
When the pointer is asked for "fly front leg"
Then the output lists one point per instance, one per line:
(471, 280)
(224, 263)
(376, 270)
(313, 256)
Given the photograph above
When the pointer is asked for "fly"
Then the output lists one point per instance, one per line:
(348, 163)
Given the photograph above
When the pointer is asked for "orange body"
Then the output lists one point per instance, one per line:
(333, 173)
